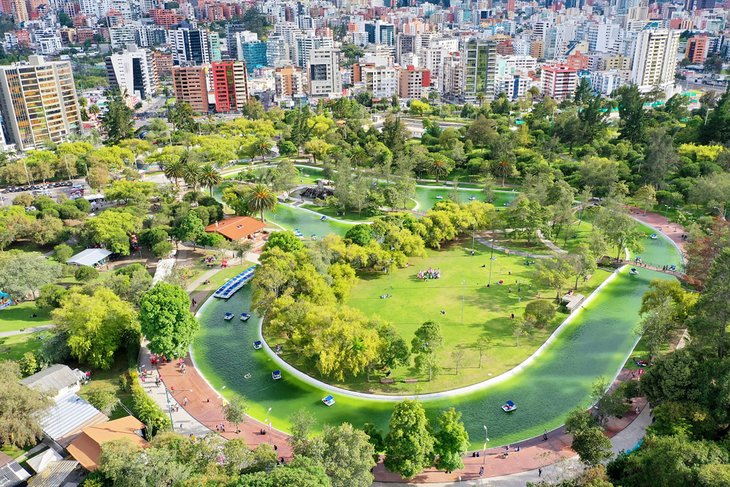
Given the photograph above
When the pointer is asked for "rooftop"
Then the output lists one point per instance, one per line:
(65, 420)
(54, 378)
(237, 227)
(86, 448)
(89, 257)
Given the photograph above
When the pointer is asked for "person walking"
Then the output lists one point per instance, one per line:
(539, 472)
(481, 470)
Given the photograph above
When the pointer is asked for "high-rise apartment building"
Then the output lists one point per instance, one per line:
(190, 47)
(38, 103)
(230, 85)
(558, 81)
(655, 59)
(696, 50)
(191, 86)
(133, 71)
(413, 83)
(19, 11)
(480, 68)
(323, 72)
(380, 79)
(289, 82)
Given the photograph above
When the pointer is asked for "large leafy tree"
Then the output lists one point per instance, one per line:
(97, 326)
(619, 229)
(426, 342)
(117, 123)
(409, 444)
(452, 441)
(346, 455)
(210, 177)
(24, 273)
(713, 306)
(589, 442)
(168, 324)
(20, 407)
(112, 230)
(554, 273)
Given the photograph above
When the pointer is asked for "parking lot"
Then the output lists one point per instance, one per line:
(72, 189)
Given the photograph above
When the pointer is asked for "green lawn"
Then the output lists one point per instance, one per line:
(472, 310)
(337, 213)
(577, 233)
(20, 316)
(13, 347)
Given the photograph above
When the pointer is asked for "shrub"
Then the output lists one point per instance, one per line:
(86, 274)
(162, 249)
(62, 252)
(145, 408)
(539, 312)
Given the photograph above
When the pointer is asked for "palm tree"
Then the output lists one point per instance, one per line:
(210, 177)
(191, 174)
(174, 170)
(259, 197)
(439, 165)
(261, 147)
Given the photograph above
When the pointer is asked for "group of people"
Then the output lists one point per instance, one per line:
(429, 274)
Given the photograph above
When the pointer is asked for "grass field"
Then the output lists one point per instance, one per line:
(466, 309)
(20, 316)
(13, 347)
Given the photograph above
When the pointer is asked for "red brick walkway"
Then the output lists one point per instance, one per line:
(672, 230)
(205, 406)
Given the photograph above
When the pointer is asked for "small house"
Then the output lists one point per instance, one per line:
(237, 228)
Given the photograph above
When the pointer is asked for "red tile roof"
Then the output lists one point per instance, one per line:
(237, 227)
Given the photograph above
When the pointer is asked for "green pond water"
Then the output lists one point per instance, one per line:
(427, 197)
(596, 343)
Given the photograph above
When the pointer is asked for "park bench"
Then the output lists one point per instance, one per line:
(410, 381)
(386, 380)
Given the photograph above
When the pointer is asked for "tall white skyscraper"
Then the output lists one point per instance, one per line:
(133, 72)
(655, 59)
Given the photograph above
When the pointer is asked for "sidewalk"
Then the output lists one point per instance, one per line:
(24, 331)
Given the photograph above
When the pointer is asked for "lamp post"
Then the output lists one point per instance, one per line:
(268, 421)
(491, 259)
(486, 440)
(169, 408)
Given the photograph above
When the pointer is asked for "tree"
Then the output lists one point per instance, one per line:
(554, 274)
(482, 345)
(661, 158)
(210, 177)
(164, 313)
(86, 274)
(600, 173)
(181, 116)
(656, 328)
(441, 165)
(409, 444)
(607, 403)
(97, 326)
(713, 306)
(539, 312)
(619, 229)
(261, 147)
(347, 456)
(426, 342)
(583, 261)
(645, 197)
(631, 113)
(451, 441)
(360, 234)
(285, 240)
(393, 350)
(235, 411)
(190, 228)
(20, 408)
(260, 198)
(23, 273)
(29, 364)
(103, 396)
(589, 442)
(62, 252)
(112, 229)
(117, 123)
(300, 472)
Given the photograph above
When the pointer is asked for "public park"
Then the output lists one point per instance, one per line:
(364, 305)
